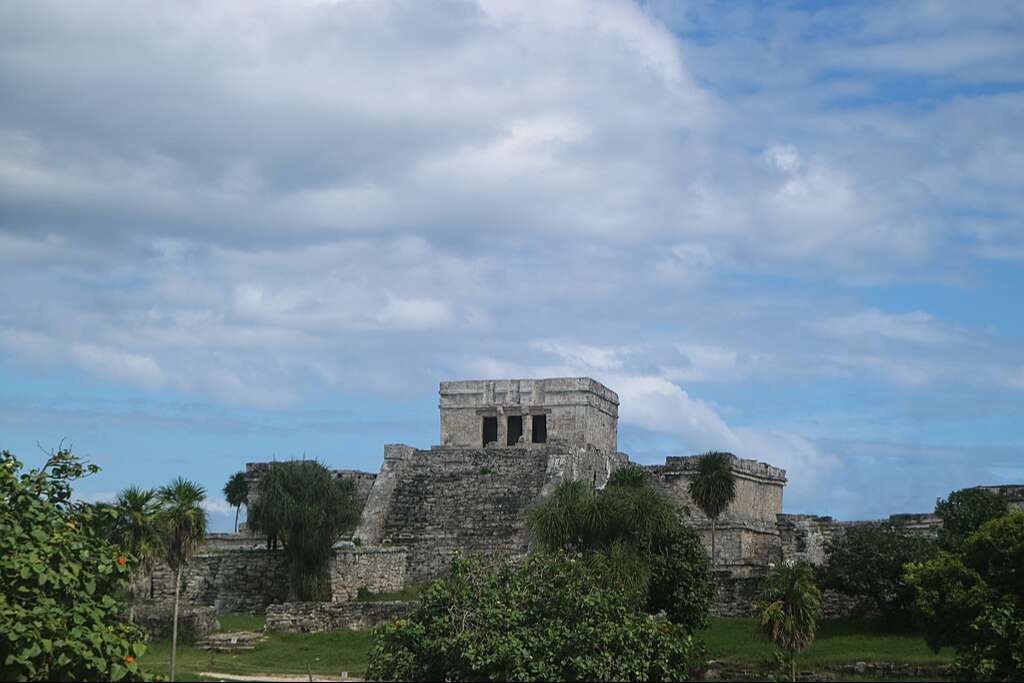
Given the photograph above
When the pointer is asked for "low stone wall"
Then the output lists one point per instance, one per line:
(316, 617)
(734, 596)
(378, 570)
(232, 580)
(194, 622)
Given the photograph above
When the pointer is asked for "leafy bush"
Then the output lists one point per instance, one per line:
(60, 581)
(640, 538)
(868, 561)
(973, 600)
(551, 618)
(965, 511)
(307, 509)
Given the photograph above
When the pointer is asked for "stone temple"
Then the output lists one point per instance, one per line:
(505, 444)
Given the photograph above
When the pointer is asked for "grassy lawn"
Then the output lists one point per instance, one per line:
(844, 641)
(731, 639)
(280, 653)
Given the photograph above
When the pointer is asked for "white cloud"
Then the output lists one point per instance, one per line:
(915, 327)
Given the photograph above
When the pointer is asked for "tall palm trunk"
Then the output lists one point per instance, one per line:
(792, 666)
(237, 510)
(174, 626)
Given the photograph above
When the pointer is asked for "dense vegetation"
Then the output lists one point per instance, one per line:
(869, 561)
(973, 600)
(631, 528)
(965, 511)
(553, 617)
(300, 504)
(61, 580)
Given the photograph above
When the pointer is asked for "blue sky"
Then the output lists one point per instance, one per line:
(231, 231)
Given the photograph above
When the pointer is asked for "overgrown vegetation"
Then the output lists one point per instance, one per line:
(553, 617)
(634, 532)
(973, 599)
(868, 561)
(60, 580)
(303, 506)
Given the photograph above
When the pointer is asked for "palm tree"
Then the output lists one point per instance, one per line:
(184, 526)
(713, 488)
(136, 529)
(789, 605)
(236, 491)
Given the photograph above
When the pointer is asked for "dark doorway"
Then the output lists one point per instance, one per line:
(540, 428)
(490, 430)
(515, 429)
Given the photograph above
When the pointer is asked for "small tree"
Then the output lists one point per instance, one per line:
(789, 606)
(236, 491)
(184, 526)
(712, 488)
(136, 529)
(300, 503)
(60, 581)
(965, 511)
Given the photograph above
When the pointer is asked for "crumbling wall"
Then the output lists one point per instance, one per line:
(470, 500)
(806, 537)
(377, 570)
(234, 580)
(317, 617)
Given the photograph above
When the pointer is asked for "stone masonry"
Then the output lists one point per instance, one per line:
(524, 412)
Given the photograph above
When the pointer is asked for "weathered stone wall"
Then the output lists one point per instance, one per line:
(472, 500)
(317, 617)
(377, 570)
(194, 621)
(746, 530)
(734, 596)
(579, 410)
(1014, 493)
(250, 580)
(233, 580)
(805, 537)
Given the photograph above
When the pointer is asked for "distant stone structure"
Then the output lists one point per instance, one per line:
(505, 445)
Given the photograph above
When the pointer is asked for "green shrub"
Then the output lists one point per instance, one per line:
(551, 618)
(61, 581)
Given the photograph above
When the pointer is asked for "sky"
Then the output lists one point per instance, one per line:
(232, 231)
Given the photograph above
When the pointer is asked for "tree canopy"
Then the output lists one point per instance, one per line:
(712, 488)
(789, 604)
(303, 505)
(638, 534)
(965, 511)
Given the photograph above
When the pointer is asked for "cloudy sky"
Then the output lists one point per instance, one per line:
(232, 231)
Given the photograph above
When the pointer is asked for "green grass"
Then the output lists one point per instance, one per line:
(230, 623)
(735, 640)
(843, 641)
(280, 653)
(410, 592)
